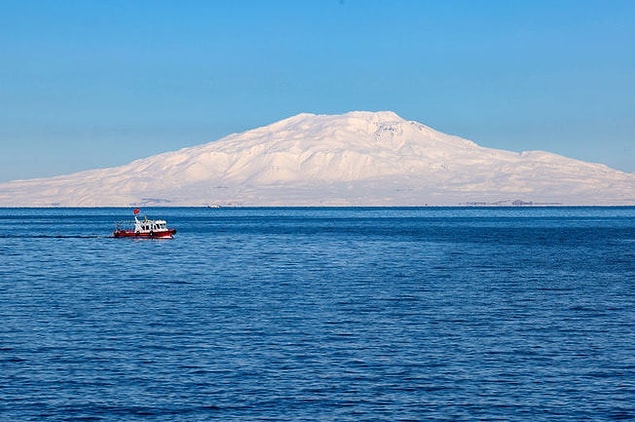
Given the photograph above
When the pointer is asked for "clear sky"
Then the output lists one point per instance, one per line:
(98, 83)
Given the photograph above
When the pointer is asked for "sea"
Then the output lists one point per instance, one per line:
(319, 314)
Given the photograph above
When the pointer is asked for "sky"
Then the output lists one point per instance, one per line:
(92, 84)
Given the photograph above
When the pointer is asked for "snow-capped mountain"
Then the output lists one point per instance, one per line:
(357, 158)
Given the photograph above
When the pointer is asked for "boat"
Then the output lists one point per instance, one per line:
(145, 228)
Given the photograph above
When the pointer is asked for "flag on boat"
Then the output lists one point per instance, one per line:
(136, 211)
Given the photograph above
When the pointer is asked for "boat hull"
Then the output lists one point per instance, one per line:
(163, 234)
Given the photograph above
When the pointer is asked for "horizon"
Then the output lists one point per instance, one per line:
(91, 85)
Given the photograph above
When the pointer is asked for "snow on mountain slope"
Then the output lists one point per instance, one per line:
(357, 158)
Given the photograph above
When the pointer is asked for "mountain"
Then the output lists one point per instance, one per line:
(356, 158)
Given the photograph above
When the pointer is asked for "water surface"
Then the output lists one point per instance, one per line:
(319, 314)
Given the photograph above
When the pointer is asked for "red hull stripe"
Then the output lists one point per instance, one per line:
(154, 235)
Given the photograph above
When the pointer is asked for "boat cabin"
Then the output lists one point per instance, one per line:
(147, 226)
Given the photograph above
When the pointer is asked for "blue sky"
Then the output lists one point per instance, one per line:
(89, 84)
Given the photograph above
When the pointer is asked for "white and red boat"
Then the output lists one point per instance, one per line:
(146, 228)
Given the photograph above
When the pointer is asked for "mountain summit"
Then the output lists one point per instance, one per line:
(356, 158)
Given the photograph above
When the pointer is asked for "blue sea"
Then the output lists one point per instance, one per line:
(327, 314)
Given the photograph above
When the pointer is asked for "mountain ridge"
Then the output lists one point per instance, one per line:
(355, 158)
